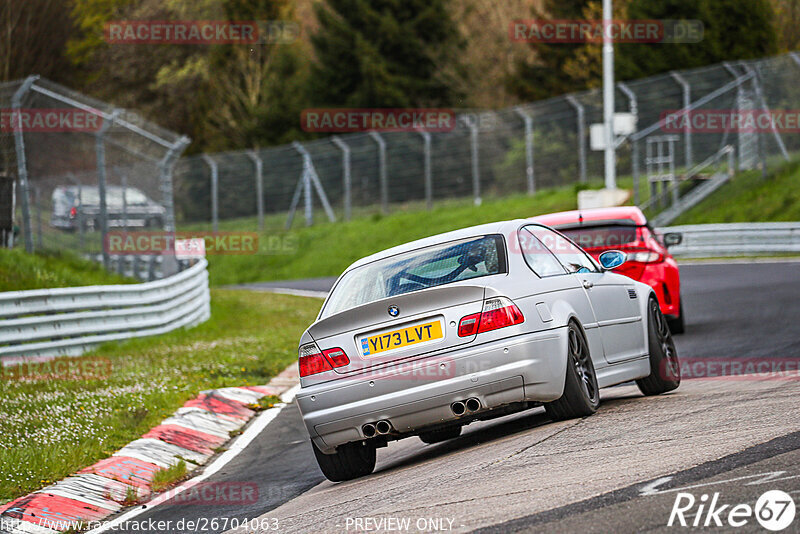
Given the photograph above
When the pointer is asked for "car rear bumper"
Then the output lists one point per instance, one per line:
(528, 367)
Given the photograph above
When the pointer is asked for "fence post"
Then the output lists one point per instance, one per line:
(765, 108)
(22, 167)
(100, 149)
(474, 148)
(124, 183)
(308, 180)
(346, 177)
(167, 165)
(687, 131)
(38, 196)
(259, 187)
(581, 136)
(382, 171)
(426, 137)
(634, 109)
(529, 170)
(212, 165)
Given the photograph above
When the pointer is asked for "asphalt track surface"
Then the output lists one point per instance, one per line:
(617, 471)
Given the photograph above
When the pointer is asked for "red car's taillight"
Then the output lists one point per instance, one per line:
(314, 361)
(498, 312)
(644, 256)
(73, 212)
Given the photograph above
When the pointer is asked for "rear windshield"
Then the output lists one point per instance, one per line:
(607, 236)
(418, 269)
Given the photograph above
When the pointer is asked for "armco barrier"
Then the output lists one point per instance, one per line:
(69, 321)
(736, 239)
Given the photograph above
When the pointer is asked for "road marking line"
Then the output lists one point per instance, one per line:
(258, 425)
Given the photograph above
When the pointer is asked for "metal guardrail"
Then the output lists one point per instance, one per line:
(736, 239)
(69, 321)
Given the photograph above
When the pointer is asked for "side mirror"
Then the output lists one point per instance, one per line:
(672, 239)
(611, 259)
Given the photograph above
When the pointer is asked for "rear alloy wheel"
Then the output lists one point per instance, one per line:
(437, 436)
(676, 325)
(351, 460)
(665, 368)
(581, 395)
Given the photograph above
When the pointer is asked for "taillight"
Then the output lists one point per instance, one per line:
(312, 361)
(337, 357)
(644, 257)
(468, 326)
(73, 212)
(498, 312)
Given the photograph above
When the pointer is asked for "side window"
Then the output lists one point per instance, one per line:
(537, 256)
(574, 259)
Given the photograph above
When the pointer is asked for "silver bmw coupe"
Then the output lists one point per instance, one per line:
(424, 338)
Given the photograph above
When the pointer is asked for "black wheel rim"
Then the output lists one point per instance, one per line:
(667, 345)
(579, 354)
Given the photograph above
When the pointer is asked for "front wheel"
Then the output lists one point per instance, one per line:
(581, 395)
(351, 460)
(665, 369)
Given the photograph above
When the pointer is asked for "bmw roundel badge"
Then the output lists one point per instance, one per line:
(394, 311)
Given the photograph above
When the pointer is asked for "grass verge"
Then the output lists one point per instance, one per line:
(750, 198)
(20, 271)
(56, 425)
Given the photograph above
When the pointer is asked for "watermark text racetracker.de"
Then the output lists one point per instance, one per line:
(197, 244)
(738, 369)
(201, 32)
(49, 120)
(717, 121)
(200, 524)
(88, 368)
(593, 31)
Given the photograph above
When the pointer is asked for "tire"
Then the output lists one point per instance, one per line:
(676, 325)
(153, 223)
(438, 436)
(581, 395)
(665, 368)
(351, 460)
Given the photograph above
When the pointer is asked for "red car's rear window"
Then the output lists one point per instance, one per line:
(602, 237)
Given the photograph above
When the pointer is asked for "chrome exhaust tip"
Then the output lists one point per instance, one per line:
(459, 408)
(383, 427)
(473, 404)
(368, 430)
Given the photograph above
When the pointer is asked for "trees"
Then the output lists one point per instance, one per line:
(33, 34)
(545, 75)
(383, 53)
(734, 29)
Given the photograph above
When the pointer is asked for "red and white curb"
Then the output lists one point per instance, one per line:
(192, 433)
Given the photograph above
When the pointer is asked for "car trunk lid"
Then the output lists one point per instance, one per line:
(426, 322)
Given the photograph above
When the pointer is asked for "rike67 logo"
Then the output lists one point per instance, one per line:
(774, 510)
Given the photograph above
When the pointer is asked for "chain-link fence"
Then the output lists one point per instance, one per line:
(540, 145)
(81, 168)
(60, 167)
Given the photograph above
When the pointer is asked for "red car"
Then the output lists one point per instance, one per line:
(626, 229)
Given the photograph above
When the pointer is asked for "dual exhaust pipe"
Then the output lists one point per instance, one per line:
(468, 406)
(383, 427)
(380, 428)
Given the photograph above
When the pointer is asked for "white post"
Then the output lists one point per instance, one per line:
(608, 96)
